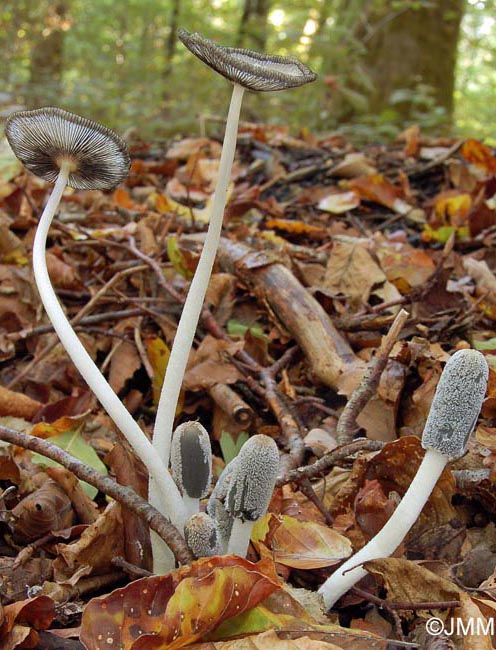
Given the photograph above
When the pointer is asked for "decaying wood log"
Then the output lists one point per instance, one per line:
(327, 351)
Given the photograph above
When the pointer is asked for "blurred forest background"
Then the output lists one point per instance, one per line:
(382, 65)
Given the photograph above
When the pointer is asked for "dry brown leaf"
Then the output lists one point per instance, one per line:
(62, 275)
(209, 364)
(17, 404)
(351, 270)
(93, 552)
(408, 582)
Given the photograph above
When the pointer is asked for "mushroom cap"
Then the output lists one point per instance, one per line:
(253, 479)
(202, 535)
(252, 70)
(45, 138)
(191, 459)
(456, 404)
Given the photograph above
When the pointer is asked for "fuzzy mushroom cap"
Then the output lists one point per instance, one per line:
(252, 70)
(253, 479)
(456, 404)
(202, 535)
(46, 138)
(191, 459)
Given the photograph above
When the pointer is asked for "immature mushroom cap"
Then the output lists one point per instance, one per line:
(456, 404)
(46, 138)
(252, 70)
(191, 459)
(201, 533)
(253, 479)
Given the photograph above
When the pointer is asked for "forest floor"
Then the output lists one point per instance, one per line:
(324, 247)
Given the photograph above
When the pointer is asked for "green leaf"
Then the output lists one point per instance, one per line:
(229, 447)
(237, 328)
(73, 443)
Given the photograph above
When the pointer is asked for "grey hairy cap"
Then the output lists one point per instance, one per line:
(44, 138)
(202, 535)
(456, 404)
(191, 459)
(252, 70)
(253, 479)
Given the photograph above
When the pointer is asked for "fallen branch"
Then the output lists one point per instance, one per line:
(327, 351)
(126, 496)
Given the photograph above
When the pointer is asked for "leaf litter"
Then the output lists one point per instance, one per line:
(322, 246)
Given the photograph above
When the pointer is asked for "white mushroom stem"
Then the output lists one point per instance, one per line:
(392, 534)
(240, 537)
(190, 315)
(191, 505)
(169, 500)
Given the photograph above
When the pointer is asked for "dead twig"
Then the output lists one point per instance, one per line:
(126, 496)
(329, 460)
(346, 426)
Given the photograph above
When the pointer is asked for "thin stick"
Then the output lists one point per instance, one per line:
(126, 496)
(347, 422)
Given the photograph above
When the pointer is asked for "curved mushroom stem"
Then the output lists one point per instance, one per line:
(190, 315)
(169, 500)
(240, 537)
(393, 532)
(183, 340)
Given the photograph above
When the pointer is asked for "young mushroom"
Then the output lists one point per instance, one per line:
(70, 150)
(246, 70)
(454, 411)
(216, 508)
(250, 489)
(191, 463)
(201, 533)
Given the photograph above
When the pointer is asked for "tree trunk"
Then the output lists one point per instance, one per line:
(252, 31)
(414, 47)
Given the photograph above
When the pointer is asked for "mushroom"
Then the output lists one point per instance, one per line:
(191, 463)
(201, 533)
(246, 70)
(216, 508)
(250, 489)
(452, 417)
(72, 150)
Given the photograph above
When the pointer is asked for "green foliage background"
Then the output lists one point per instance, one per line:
(115, 66)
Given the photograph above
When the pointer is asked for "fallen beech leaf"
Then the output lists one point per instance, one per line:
(182, 260)
(379, 190)
(17, 404)
(176, 609)
(210, 364)
(19, 617)
(408, 582)
(62, 275)
(476, 629)
(479, 154)
(395, 466)
(351, 270)
(158, 354)
(301, 544)
(452, 208)
(47, 508)
(293, 226)
(73, 443)
(267, 641)
(404, 265)
(281, 611)
(12, 249)
(353, 165)
(339, 203)
(93, 552)
(123, 199)
(411, 137)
